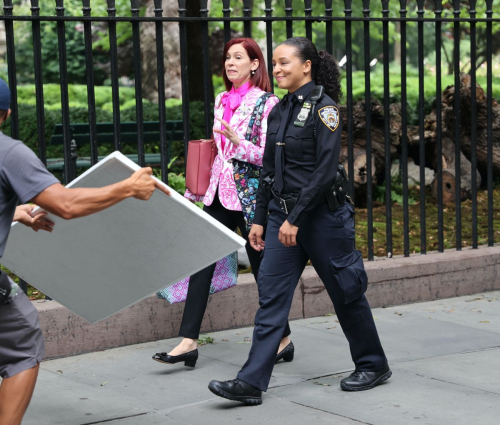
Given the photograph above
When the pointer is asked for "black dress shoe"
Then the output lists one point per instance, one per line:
(359, 380)
(237, 390)
(286, 354)
(188, 358)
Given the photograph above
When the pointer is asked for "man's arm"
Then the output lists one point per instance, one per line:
(79, 202)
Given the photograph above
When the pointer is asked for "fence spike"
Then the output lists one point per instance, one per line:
(158, 8)
(8, 7)
(203, 8)
(111, 8)
(182, 8)
(438, 7)
(366, 8)
(308, 7)
(86, 8)
(347, 7)
(134, 7)
(402, 4)
(60, 7)
(35, 8)
(472, 8)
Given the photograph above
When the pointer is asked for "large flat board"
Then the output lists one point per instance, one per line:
(100, 264)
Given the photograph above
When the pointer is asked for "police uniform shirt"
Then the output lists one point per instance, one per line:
(310, 161)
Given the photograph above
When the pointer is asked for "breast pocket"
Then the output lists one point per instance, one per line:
(272, 130)
(303, 140)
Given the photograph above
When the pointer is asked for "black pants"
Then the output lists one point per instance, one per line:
(199, 284)
(325, 236)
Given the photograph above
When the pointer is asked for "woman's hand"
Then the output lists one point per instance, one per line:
(37, 222)
(255, 237)
(288, 234)
(228, 132)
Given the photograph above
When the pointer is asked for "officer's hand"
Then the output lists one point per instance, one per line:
(228, 132)
(143, 186)
(37, 222)
(255, 237)
(288, 234)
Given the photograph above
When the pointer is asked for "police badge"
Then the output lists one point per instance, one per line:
(330, 117)
(303, 115)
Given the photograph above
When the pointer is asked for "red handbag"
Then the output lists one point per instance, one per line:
(201, 156)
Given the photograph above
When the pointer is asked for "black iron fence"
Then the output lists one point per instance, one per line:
(394, 33)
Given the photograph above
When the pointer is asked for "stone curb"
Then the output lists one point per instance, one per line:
(392, 282)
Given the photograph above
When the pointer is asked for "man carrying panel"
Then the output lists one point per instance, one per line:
(24, 178)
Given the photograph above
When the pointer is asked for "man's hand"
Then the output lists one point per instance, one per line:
(288, 234)
(255, 237)
(142, 185)
(37, 222)
(228, 132)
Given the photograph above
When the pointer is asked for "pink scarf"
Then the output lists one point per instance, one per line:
(231, 101)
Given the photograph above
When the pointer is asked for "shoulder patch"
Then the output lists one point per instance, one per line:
(330, 117)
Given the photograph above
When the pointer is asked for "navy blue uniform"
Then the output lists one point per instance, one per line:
(311, 151)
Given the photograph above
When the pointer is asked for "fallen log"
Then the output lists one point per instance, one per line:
(481, 121)
(377, 144)
(448, 160)
(359, 173)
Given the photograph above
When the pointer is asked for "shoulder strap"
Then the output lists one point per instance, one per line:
(256, 117)
(316, 95)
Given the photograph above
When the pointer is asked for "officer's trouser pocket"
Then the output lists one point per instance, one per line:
(349, 276)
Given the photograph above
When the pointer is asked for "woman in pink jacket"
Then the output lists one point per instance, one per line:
(240, 128)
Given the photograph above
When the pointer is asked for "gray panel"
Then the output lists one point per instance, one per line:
(100, 264)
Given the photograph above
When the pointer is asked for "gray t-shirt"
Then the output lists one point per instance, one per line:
(22, 177)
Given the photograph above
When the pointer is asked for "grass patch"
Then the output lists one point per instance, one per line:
(204, 340)
(431, 221)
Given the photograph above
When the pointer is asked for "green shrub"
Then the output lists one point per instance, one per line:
(28, 126)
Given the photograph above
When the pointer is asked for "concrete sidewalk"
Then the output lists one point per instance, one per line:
(445, 358)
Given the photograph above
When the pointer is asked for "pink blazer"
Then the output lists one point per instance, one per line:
(221, 175)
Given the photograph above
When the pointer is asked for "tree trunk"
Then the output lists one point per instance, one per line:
(171, 57)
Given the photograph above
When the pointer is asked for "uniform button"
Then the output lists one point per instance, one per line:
(308, 199)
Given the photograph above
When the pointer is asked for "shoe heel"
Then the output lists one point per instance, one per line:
(190, 363)
(288, 357)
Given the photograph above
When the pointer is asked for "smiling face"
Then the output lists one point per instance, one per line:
(239, 66)
(288, 69)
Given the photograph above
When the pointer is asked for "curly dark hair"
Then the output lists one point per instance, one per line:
(325, 70)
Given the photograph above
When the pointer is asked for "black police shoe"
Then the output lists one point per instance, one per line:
(237, 390)
(286, 354)
(359, 380)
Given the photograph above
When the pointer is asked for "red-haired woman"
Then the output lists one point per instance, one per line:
(240, 128)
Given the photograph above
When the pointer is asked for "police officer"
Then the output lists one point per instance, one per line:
(307, 220)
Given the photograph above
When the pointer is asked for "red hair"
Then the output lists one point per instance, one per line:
(260, 79)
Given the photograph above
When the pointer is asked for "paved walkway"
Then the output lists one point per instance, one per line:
(445, 356)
